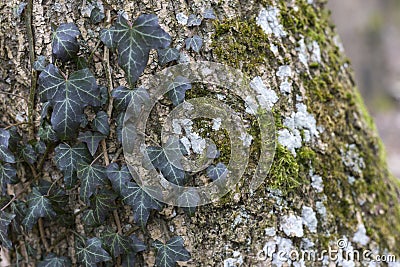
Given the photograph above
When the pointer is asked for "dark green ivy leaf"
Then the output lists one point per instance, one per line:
(120, 124)
(129, 259)
(134, 41)
(29, 154)
(47, 134)
(8, 175)
(118, 177)
(115, 243)
(52, 260)
(5, 220)
(194, 43)
(177, 89)
(90, 253)
(38, 206)
(65, 44)
(100, 123)
(140, 202)
(217, 171)
(107, 37)
(96, 16)
(171, 252)
(40, 147)
(91, 176)
(123, 96)
(92, 140)
(5, 154)
(167, 55)
(88, 218)
(68, 97)
(102, 202)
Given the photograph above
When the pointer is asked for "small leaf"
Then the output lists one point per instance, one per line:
(47, 134)
(5, 154)
(91, 177)
(134, 41)
(138, 246)
(40, 63)
(218, 171)
(38, 206)
(40, 147)
(45, 111)
(103, 95)
(209, 14)
(140, 202)
(194, 43)
(167, 55)
(177, 90)
(65, 44)
(96, 16)
(29, 154)
(193, 20)
(115, 243)
(123, 97)
(88, 218)
(171, 252)
(8, 175)
(4, 137)
(5, 220)
(92, 140)
(91, 252)
(118, 177)
(100, 123)
(52, 260)
(102, 202)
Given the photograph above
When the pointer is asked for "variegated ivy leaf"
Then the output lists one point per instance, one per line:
(8, 175)
(167, 55)
(171, 252)
(134, 41)
(5, 154)
(96, 16)
(91, 176)
(119, 177)
(115, 243)
(100, 123)
(124, 96)
(68, 98)
(177, 90)
(65, 44)
(217, 171)
(5, 220)
(29, 154)
(38, 206)
(53, 260)
(90, 252)
(67, 158)
(92, 140)
(140, 202)
(129, 259)
(194, 43)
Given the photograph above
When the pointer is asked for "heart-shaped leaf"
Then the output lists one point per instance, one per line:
(134, 41)
(171, 252)
(100, 123)
(91, 176)
(8, 175)
(177, 90)
(90, 252)
(38, 206)
(92, 140)
(194, 43)
(167, 55)
(5, 220)
(65, 44)
(52, 260)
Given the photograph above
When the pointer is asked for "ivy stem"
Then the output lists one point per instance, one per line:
(31, 43)
(43, 235)
(93, 51)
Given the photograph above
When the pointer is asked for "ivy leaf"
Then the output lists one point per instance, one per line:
(65, 44)
(68, 97)
(40, 147)
(5, 220)
(134, 41)
(103, 95)
(96, 16)
(209, 14)
(91, 177)
(40, 63)
(140, 202)
(167, 55)
(47, 134)
(92, 140)
(107, 37)
(194, 43)
(218, 171)
(120, 124)
(188, 199)
(102, 203)
(116, 244)
(67, 159)
(38, 206)
(177, 90)
(90, 252)
(138, 246)
(171, 252)
(118, 177)
(8, 175)
(123, 96)
(89, 219)
(52, 260)
(100, 123)
(15, 138)
(193, 20)
(29, 154)
(5, 154)
(4, 137)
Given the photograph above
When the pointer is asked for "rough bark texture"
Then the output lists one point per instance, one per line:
(338, 175)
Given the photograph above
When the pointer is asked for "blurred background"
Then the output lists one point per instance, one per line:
(370, 32)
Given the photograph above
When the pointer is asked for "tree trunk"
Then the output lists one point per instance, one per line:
(328, 181)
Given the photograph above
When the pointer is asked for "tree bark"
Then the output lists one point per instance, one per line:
(334, 185)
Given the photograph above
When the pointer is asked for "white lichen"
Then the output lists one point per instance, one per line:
(270, 231)
(315, 51)
(321, 209)
(216, 124)
(302, 52)
(290, 140)
(182, 18)
(317, 183)
(265, 96)
(292, 225)
(237, 260)
(284, 71)
(360, 236)
(309, 219)
(352, 159)
(246, 138)
(268, 20)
